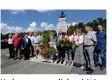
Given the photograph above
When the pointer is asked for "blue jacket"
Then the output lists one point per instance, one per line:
(101, 40)
(25, 44)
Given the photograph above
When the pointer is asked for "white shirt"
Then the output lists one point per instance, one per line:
(89, 38)
(26, 40)
(31, 38)
(36, 39)
(78, 39)
(10, 41)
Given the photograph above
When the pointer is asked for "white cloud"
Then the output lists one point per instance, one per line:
(50, 27)
(42, 11)
(2, 25)
(33, 24)
(32, 27)
(17, 11)
(14, 29)
(74, 23)
(5, 28)
(44, 24)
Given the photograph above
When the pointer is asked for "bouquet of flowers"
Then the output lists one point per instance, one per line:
(65, 42)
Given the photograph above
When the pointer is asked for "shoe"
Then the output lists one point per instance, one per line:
(96, 65)
(102, 68)
(66, 63)
(62, 61)
(9, 57)
(58, 61)
(69, 63)
(25, 59)
(90, 71)
(53, 61)
(86, 69)
(15, 58)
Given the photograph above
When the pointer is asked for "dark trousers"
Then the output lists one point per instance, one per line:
(102, 53)
(61, 53)
(17, 52)
(69, 54)
(27, 53)
(11, 50)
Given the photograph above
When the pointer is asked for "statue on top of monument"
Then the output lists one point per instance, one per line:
(62, 15)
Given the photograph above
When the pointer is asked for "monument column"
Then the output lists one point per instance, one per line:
(62, 25)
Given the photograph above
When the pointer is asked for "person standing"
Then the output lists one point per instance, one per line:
(36, 44)
(61, 50)
(11, 46)
(79, 60)
(26, 43)
(17, 46)
(69, 50)
(89, 46)
(31, 37)
(101, 47)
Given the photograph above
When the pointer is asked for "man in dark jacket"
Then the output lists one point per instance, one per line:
(26, 43)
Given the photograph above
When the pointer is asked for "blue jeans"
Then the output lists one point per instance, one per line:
(101, 52)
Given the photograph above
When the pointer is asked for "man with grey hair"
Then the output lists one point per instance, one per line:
(89, 46)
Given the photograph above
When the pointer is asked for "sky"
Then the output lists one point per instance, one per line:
(39, 20)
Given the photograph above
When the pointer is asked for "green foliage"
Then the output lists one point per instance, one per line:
(93, 24)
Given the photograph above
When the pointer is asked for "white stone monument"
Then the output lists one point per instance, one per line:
(62, 25)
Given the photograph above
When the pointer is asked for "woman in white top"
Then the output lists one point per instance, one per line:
(79, 56)
(11, 47)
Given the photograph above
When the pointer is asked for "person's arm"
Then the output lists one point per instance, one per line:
(94, 40)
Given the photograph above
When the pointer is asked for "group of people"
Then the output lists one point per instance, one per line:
(26, 45)
(89, 52)
(90, 47)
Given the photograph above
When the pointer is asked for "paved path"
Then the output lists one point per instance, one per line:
(34, 66)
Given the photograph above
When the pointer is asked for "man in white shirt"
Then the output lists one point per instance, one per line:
(89, 46)
(36, 42)
(31, 37)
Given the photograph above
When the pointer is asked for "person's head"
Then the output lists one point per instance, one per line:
(35, 34)
(87, 28)
(10, 36)
(26, 36)
(30, 33)
(78, 32)
(100, 27)
(16, 34)
(60, 31)
(68, 32)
